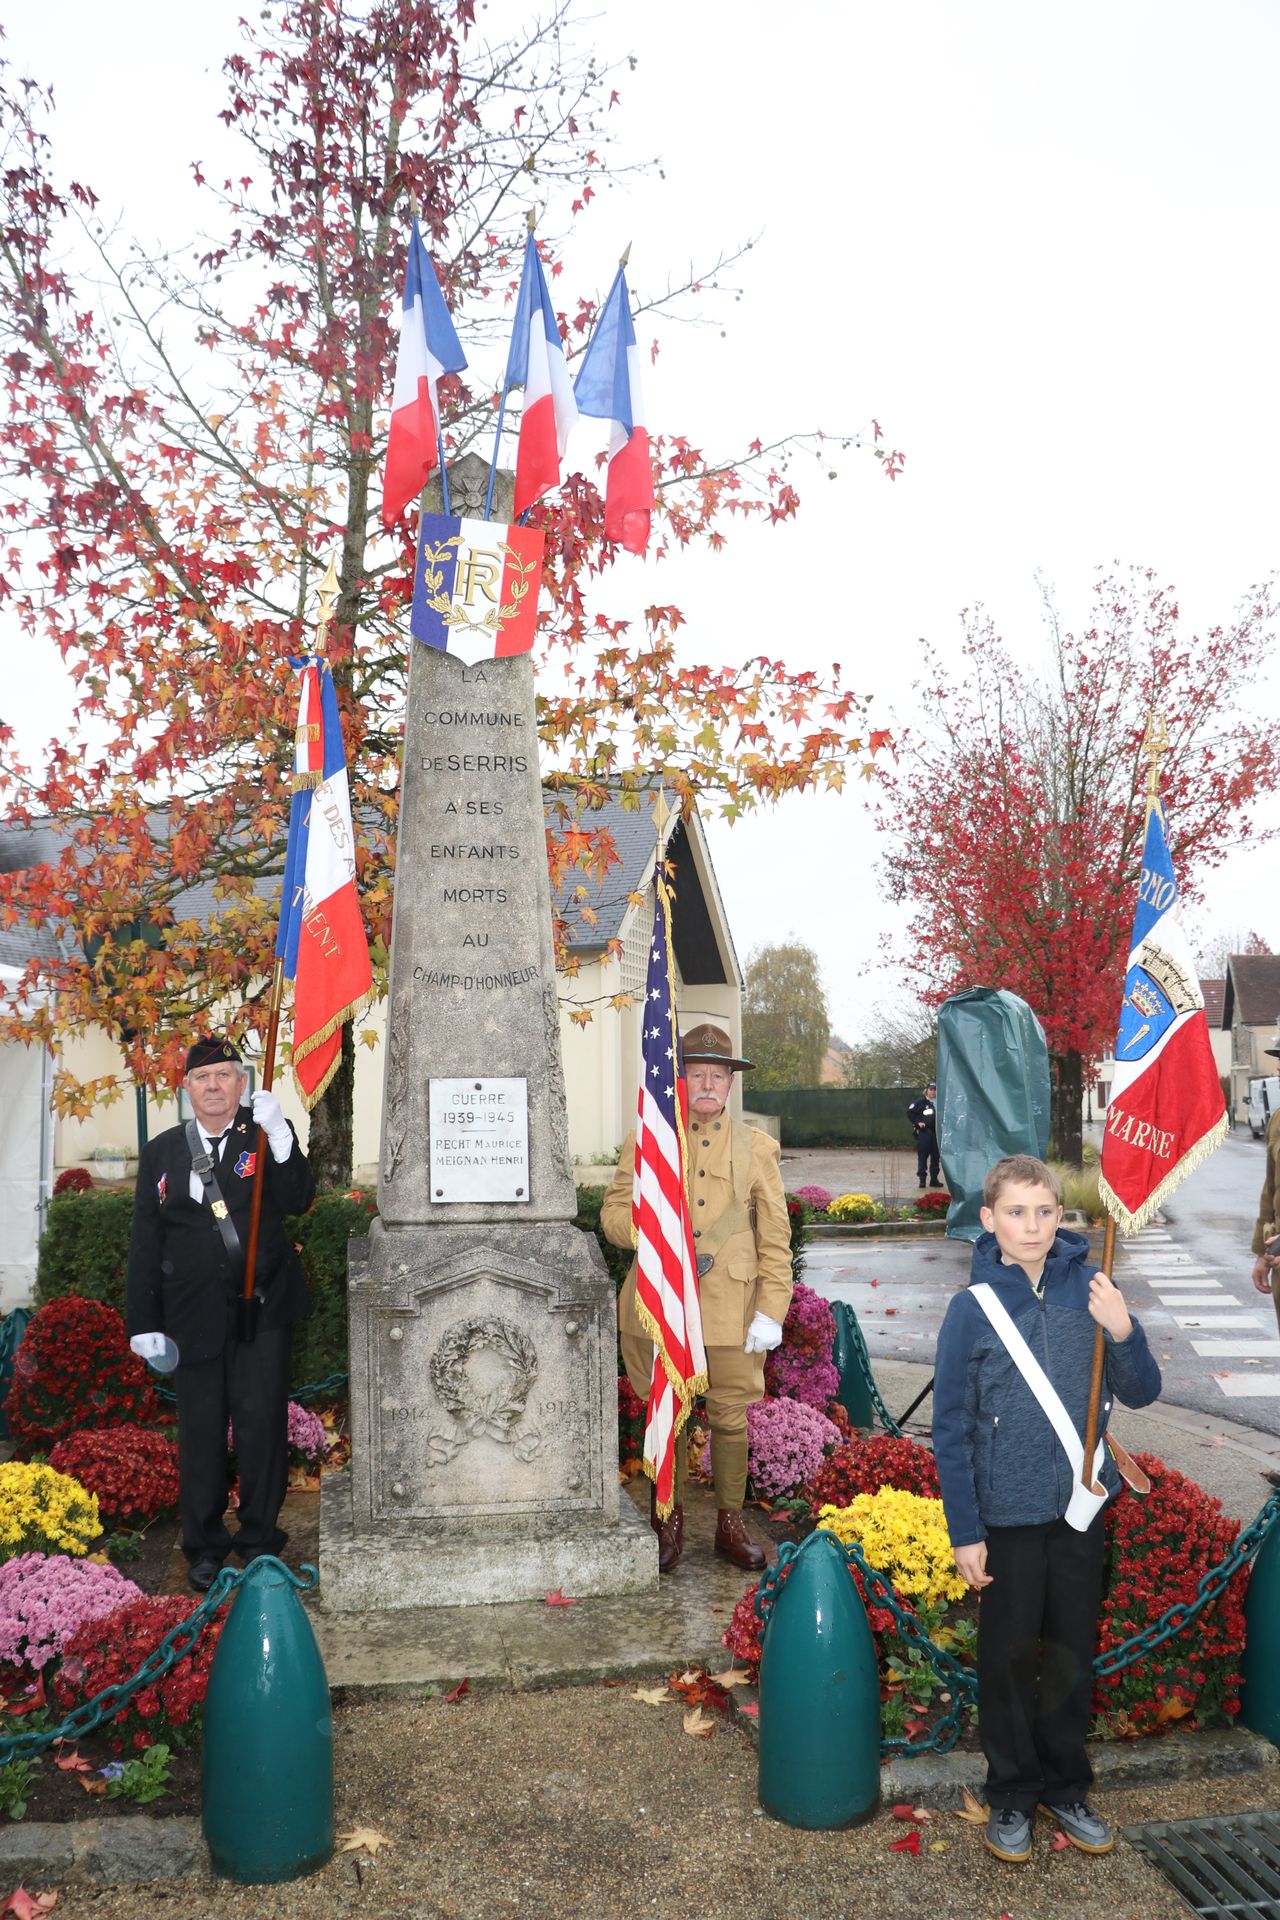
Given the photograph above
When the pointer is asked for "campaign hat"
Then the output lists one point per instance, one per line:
(711, 1043)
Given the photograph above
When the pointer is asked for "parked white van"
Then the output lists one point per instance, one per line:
(1261, 1102)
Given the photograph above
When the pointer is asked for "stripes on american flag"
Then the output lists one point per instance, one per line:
(666, 1267)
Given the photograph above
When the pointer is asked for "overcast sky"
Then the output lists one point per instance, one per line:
(1038, 244)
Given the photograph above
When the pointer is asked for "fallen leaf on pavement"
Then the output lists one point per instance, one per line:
(690, 1677)
(652, 1696)
(699, 1725)
(904, 1811)
(71, 1762)
(909, 1843)
(939, 1846)
(731, 1677)
(362, 1840)
(558, 1599)
(28, 1906)
(1060, 1840)
(921, 1814)
(457, 1693)
(973, 1811)
(874, 1283)
(751, 1707)
(889, 1311)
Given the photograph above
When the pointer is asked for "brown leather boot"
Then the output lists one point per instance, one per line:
(735, 1543)
(670, 1534)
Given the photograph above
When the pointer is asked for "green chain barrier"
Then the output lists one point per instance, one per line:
(315, 1391)
(175, 1646)
(962, 1682)
(887, 1420)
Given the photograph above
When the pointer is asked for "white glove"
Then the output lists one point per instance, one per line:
(269, 1115)
(147, 1346)
(763, 1335)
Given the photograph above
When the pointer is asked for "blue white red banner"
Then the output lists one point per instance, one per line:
(608, 388)
(536, 362)
(429, 347)
(666, 1266)
(475, 587)
(321, 938)
(1166, 1111)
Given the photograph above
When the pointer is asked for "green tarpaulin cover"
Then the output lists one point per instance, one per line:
(993, 1094)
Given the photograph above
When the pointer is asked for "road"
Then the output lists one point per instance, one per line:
(1186, 1277)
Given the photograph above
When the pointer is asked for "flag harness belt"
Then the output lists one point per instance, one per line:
(202, 1164)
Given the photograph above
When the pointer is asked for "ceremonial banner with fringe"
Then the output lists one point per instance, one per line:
(666, 1267)
(1166, 1111)
(321, 939)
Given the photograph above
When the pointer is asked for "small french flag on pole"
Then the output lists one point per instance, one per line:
(428, 347)
(536, 362)
(608, 388)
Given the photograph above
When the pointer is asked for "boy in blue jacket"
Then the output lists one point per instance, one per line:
(1006, 1484)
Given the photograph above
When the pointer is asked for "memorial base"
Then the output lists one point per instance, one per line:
(473, 1565)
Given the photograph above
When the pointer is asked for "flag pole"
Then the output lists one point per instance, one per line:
(1155, 745)
(531, 221)
(247, 1305)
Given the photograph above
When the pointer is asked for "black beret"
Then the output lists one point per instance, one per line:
(211, 1053)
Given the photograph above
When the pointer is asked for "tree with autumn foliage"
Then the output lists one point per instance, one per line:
(183, 449)
(1016, 812)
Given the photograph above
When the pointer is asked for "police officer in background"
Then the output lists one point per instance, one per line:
(923, 1115)
(742, 1235)
(186, 1268)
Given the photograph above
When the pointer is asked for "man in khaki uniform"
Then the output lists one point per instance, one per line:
(742, 1236)
(1266, 1275)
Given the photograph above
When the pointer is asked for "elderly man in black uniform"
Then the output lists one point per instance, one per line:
(186, 1268)
(923, 1115)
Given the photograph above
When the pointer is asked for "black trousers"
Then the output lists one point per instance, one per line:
(927, 1152)
(1037, 1628)
(249, 1387)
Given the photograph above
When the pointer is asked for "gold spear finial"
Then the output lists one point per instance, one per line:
(626, 255)
(328, 597)
(531, 218)
(1155, 745)
(661, 815)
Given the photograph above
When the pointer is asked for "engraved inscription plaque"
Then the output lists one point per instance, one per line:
(479, 1140)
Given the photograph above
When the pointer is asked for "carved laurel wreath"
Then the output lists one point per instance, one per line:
(498, 1413)
(433, 559)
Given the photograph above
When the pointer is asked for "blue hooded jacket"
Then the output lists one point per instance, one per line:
(1000, 1463)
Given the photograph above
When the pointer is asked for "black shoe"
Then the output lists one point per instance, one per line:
(202, 1573)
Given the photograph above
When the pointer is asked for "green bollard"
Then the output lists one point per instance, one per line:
(819, 1696)
(854, 1394)
(1260, 1694)
(268, 1737)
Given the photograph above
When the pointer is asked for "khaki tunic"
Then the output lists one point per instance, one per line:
(739, 1213)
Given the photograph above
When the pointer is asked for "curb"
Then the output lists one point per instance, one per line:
(939, 1779)
(109, 1853)
(877, 1229)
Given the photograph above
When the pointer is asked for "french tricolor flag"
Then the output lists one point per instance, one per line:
(321, 938)
(536, 362)
(608, 388)
(428, 347)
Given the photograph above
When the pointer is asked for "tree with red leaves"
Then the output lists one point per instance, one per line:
(177, 468)
(1016, 814)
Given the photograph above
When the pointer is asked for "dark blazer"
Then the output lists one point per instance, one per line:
(182, 1281)
(923, 1115)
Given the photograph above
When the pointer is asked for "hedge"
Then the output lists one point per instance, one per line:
(85, 1249)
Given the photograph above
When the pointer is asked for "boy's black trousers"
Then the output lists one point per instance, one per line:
(1037, 1628)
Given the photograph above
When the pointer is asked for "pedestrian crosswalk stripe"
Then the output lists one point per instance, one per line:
(1218, 1319)
(1198, 1300)
(1237, 1349)
(1251, 1386)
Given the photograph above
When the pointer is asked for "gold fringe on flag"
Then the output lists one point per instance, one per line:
(1133, 1222)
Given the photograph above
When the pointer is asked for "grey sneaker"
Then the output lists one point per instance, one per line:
(1082, 1827)
(1008, 1834)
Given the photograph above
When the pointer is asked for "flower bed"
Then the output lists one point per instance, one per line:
(45, 1599)
(864, 1466)
(849, 1208)
(931, 1205)
(132, 1470)
(816, 1197)
(787, 1441)
(111, 1649)
(74, 1370)
(42, 1511)
(801, 1368)
(903, 1536)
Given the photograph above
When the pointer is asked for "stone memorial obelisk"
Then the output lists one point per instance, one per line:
(482, 1322)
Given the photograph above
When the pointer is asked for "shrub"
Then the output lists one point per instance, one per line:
(43, 1511)
(786, 1443)
(632, 1415)
(111, 1649)
(73, 1180)
(816, 1197)
(801, 1234)
(1158, 1549)
(864, 1466)
(74, 1369)
(46, 1598)
(132, 1470)
(1080, 1190)
(308, 1441)
(801, 1368)
(84, 1248)
(617, 1259)
(931, 1204)
(904, 1536)
(852, 1207)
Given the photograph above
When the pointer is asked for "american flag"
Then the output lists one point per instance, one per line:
(666, 1267)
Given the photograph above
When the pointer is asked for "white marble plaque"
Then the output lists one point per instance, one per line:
(479, 1140)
